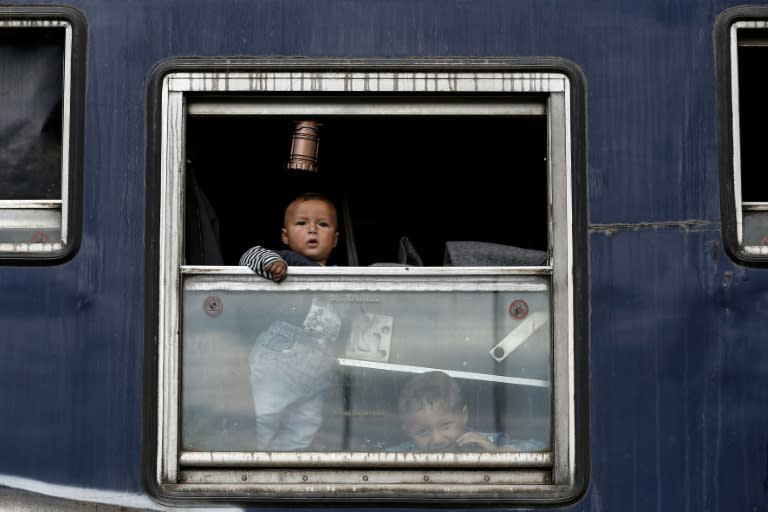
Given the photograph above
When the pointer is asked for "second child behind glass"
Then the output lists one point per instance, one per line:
(292, 361)
(435, 417)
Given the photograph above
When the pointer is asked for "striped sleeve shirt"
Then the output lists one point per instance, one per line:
(258, 258)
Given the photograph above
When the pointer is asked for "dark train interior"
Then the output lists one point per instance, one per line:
(432, 179)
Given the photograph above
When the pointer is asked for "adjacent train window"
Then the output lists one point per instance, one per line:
(41, 79)
(439, 355)
(743, 59)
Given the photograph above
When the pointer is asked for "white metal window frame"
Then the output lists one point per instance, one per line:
(550, 474)
(742, 206)
(34, 213)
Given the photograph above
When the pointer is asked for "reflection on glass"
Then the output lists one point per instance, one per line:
(366, 371)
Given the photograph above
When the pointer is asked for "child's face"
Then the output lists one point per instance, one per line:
(310, 229)
(435, 427)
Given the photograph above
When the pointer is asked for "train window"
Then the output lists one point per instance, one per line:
(440, 355)
(41, 78)
(742, 52)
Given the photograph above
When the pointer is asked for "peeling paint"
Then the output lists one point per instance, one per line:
(684, 225)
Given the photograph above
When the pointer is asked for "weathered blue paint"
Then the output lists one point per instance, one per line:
(678, 356)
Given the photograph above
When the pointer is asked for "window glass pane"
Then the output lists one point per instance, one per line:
(31, 61)
(755, 227)
(244, 352)
(434, 179)
(753, 99)
(33, 235)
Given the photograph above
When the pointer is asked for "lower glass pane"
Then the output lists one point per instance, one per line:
(755, 228)
(24, 237)
(367, 371)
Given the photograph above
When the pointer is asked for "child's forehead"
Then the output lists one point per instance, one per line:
(310, 207)
(428, 409)
(313, 203)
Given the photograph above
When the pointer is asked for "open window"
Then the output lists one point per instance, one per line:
(460, 191)
(42, 63)
(742, 54)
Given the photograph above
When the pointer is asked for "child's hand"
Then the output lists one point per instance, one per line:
(470, 440)
(278, 269)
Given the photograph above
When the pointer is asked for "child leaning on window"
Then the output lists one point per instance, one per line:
(292, 362)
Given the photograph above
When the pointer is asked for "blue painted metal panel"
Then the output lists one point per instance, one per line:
(678, 361)
(678, 356)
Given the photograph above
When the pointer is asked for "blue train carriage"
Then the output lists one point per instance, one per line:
(615, 359)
